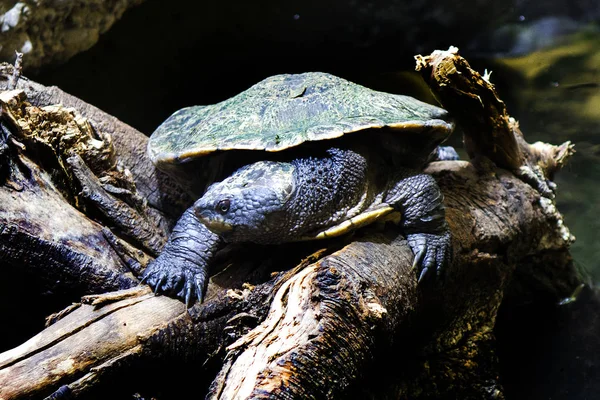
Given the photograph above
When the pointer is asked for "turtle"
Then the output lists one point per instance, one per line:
(300, 157)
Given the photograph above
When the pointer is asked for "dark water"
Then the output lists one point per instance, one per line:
(549, 351)
(555, 94)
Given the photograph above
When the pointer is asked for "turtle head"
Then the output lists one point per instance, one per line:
(249, 204)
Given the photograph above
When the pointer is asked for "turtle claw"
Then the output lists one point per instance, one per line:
(189, 299)
(432, 252)
(182, 281)
(162, 279)
(199, 281)
(418, 257)
(193, 288)
(144, 279)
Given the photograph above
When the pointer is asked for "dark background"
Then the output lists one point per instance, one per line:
(162, 56)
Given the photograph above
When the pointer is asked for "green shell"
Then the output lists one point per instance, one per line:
(286, 110)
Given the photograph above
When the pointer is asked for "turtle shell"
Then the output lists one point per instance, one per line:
(284, 111)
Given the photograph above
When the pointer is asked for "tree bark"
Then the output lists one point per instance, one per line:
(301, 321)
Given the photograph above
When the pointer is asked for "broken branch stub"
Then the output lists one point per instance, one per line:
(472, 99)
(488, 129)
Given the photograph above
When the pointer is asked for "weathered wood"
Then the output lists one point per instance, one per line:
(321, 324)
(49, 221)
(328, 321)
(81, 343)
(161, 191)
(489, 131)
(76, 214)
(55, 240)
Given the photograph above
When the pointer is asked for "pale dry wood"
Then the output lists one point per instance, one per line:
(81, 342)
(307, 319)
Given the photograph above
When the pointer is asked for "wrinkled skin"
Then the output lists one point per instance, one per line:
(272, 202)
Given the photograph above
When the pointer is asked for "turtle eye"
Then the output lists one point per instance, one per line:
(223, 206)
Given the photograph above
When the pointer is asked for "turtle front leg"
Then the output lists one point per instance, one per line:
(420, 201)
(181, 270)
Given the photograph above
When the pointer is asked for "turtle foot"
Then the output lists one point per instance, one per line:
(185, 282)
(534, 176)
(444, 153)
(433, 252)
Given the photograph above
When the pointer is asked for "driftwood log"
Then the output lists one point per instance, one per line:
(339, 319)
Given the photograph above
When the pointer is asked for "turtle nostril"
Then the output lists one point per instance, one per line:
(202, 214)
